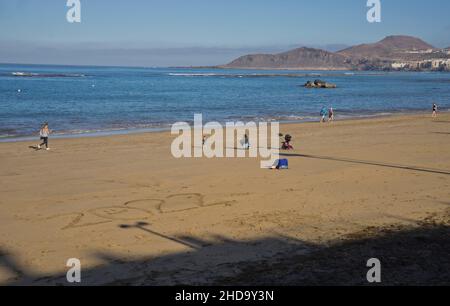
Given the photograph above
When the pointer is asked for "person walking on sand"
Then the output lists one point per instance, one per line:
(44, 133)
(435, 108)
(331, 114)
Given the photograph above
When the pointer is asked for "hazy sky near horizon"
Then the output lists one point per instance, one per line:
(202, 32)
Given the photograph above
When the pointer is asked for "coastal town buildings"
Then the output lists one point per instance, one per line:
(435, 64)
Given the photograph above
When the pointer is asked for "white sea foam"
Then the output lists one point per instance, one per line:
(23, 74)
(193, 74)
(46, 75)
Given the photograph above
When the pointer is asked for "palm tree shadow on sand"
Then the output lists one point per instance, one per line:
(410, 255)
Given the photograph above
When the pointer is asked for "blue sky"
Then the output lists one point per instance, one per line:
(202, 32)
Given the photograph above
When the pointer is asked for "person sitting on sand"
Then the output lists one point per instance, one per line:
(331, 115)
(435, 107)
(286, 144)
(44, 133)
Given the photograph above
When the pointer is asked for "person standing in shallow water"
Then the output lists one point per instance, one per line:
(435, 107)
(44, 133)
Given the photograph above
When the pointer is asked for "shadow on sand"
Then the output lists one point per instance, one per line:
(441, 121)
(410, 255)
(370, 163)
(441, 133)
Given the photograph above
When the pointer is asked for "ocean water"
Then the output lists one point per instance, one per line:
(106, 100)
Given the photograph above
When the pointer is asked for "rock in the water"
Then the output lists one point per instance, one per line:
(310, 84)
(330, 85)
(319, 84)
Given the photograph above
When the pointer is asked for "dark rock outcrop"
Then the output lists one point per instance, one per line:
(319, 84)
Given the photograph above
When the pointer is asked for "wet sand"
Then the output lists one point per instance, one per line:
(133, 214)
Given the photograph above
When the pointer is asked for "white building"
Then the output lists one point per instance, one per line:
(399, 65)
(440, 63)
(435, 64)
(447, 64)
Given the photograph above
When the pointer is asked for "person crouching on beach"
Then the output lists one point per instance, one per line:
(331, 114)
(44, 133)
(323, 114)
(435, 107)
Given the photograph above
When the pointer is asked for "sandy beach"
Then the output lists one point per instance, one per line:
(133, 214)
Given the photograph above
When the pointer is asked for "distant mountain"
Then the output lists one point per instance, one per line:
(392, 47)
(327, 47)
(334, 47)
(391, 52)
(301, 58)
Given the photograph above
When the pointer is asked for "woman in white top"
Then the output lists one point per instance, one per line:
(435, 107)
(44, 133)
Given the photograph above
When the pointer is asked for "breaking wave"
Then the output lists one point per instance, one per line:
(46, 75)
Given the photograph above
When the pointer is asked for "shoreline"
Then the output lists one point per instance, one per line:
(137, 131)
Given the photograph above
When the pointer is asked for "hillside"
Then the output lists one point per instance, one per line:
(393, 52)
(390, 48)
(390, 52)
(301, 58)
